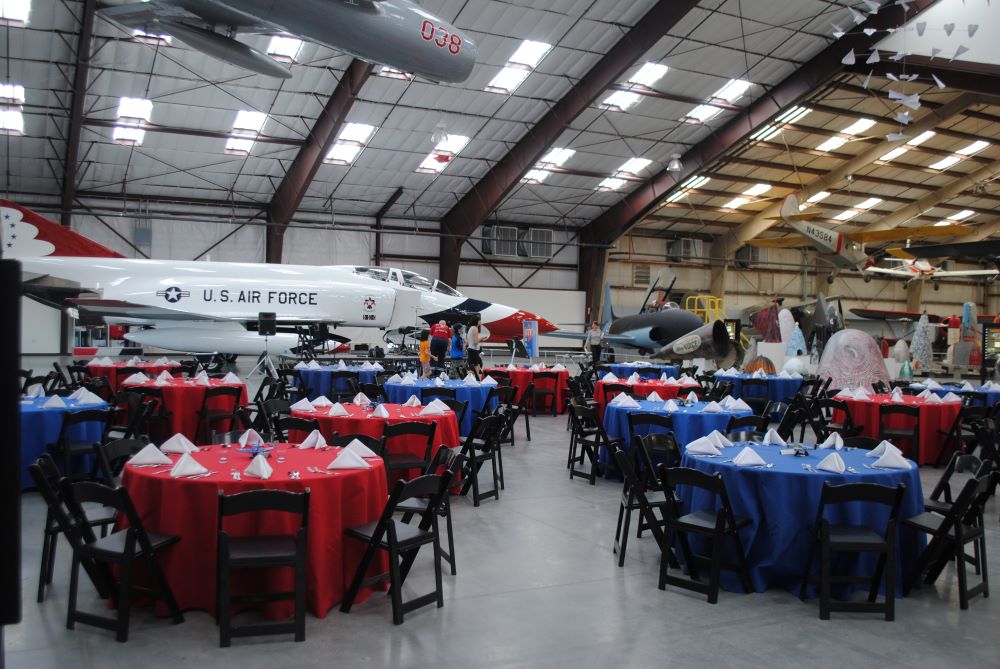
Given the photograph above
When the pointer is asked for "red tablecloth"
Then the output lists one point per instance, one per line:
(362, 422)
(110, 372)
(188, 508)
(665, 390)
(520, 378)
(933, 417)
(183, 398)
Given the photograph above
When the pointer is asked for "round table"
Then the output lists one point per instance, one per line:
(40, 426)
(475, 396)
(779, 389)
(666, 391)
(626, 369)
(992, 396)
(521, 377)
(321, 382)
(689, 422)
(183, 399)
(110, 372)
(782, 502)
(188, 508)
(933, 417)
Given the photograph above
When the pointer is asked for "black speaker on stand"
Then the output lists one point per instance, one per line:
(10, 465)
(267, 326)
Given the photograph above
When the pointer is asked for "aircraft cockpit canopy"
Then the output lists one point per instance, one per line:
(666, 306)
(408, 279)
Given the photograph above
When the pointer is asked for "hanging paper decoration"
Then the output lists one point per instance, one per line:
(920, 344)
(849, 58)
(949, 28)
(873, 58)
(959, 51)
(921, 27)
(940, 84)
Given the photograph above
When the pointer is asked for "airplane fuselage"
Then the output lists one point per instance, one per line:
(831, 244)
(652, 331)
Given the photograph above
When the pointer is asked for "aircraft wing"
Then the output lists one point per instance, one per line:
(890, 272)
(790, 242)
(142, 14)
(967, 272)
(624, 340)
(898, 234)
(959, 251)
(114, 310)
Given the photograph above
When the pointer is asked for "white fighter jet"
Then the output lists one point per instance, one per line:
(205, 307)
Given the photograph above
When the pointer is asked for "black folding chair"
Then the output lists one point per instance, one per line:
(227, 415)
(397, 459)
(68, 447)
(589, 438)
(482, 445)
(445, 459)
(642, 480)
(284, 425)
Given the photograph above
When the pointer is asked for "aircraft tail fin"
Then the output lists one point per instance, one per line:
(25, 234)
(790, 207)
(609, 312)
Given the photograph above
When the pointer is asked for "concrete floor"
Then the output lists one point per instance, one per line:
(538, 586)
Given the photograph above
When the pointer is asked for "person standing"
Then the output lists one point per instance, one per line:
(424, 351)
(457, 343)
(592, 344)
(440, 341)
(474, 342)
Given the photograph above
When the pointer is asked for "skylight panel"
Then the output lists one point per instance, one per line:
(945, 163)
(342, 153)
(128, 135)
(837, 141)
(250, 120)
(536, 176)
(352, 139)
(771, 129)
(443, 153)
(15, 12)
(530, 53)
(819, 197)
(895, 153)
(832, 144)
(955, 218)
(610, 184)
(507, 80)
(393, 73)
(846, 215)
(975, 147)
(151, 38)
(736, 203)
(521, 64)
(135, 109)
(556, 157)
(246, 127)
(634, 165)
(757, 189)
(859, 126)
(620, 101)
(284, 48)
(357, 132)
(691, 184)
(648, 74)
(869, 203)
(12, 94)
(11, 122)
(733, 90)
(900, 150)
(239, 146)
(704, 113)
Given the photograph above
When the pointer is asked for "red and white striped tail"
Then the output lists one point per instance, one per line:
(25, 234)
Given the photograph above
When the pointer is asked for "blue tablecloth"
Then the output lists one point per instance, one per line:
(625, 370)
(40, 427)
(778, 389)
(320, 381)
(992, 396)
(782, 503)
(689, 424)
(474, 395)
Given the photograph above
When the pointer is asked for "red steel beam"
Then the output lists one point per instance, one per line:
(472, 210)
(80, 75)
(289, 193)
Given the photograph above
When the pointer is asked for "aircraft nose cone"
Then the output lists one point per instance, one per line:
(544, 325)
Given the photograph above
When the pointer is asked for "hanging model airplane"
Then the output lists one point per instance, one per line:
(846, 249)
(396, 33)
(205, 307)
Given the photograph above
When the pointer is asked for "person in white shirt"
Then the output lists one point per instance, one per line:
(592, 344)
(473, 344)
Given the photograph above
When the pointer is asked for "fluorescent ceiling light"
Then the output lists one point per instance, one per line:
(530, 53)
(757, 189)
(135, 109)
(736, 203)
(648, 74)
(847, 215)
(250, 120)
(12, 93)
(284, 47)
(15, 11)
(818, 197)
(130, 135)
(869, 203)
(975, 147)
(357, 132)
(611, 183)
(11, 122)
(620, 100)
(945, 163)
(556, 157)
(634, 165)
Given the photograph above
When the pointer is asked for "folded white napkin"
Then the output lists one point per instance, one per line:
(443, 376)
(925, 394)
(133, 361)
(88, 398)
(989, 385)
(321, 401)
(203, 381)
(685, 379)
(159, 383)
(933, 385)
(711, 407)
(726, 401)
(150, 455)
(739, 405)
(187, 466)
(718, 439)
(164, 376)
(654, 397)
(313, 440)
(773, 438)
(488, 381)
(897, 395)
(834, 441)
(670, 381)
(439, 404)
(702, 446)
(360, 449)
(35, 390)
(259, 467)
(54, 402)
(78, 393)
(748, 458)
(251, 438)
(395, 378)
(671, 406)
(535, 368)
(438, 383)
(348, 459)
(884, 446)
(933, 399)
(968, 386)
(470, 380)
(618, 399)
(408, 381)
(558, 367)
(845, 394)
(94, 362)
(161, 361)
(361, 399)
(107, 362)
(609, 378)
(312, 364)
(691, 397)
(951, 397)
(303, 405)
(380, 412)
(861, 394)
(340, 365)
(178, 444)
(634, 378)
(795, 375)
(917, 386)
(832, 463)
(892, 460)
(138, 377)
(377, 367)
(201, 375)
(338, 409)
(759, 374)
(784, 375)
(367, 366)
(412, 401)
(431, 410)
(231, 378)
(511, 367)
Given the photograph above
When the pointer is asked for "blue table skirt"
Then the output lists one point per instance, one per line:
(782, 504)
(474, 395)
(320, 381)
(778, 389)
(41, 426)
(992, 396)
(624, 370)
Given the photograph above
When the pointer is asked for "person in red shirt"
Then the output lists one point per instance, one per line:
(440, 343)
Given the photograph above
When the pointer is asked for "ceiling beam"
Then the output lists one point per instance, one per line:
(982, 78)
(289, 193)
(192, 132)
(81, 73)
(471, 211)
